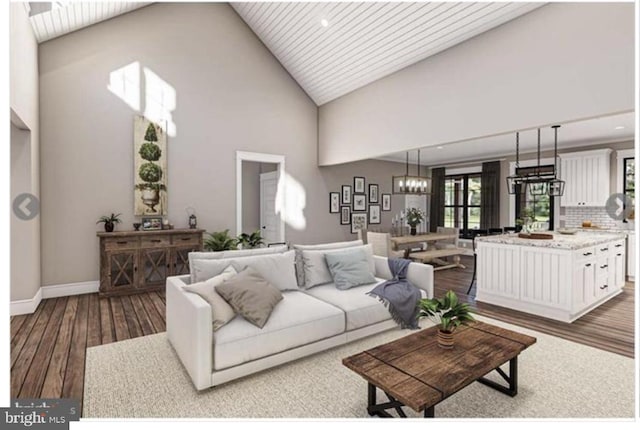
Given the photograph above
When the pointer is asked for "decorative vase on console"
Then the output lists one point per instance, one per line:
(414, 217)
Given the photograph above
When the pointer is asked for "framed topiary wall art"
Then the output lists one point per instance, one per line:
(150, 168)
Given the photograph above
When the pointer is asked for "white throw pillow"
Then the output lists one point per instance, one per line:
(325, 246)
(221, 311)
(316, 271)
(218, 255)
(277, 269)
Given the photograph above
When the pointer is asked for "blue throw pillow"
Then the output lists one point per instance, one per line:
(349, 268)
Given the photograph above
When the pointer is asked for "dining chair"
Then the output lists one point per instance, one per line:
(447, 243)
(381, 244)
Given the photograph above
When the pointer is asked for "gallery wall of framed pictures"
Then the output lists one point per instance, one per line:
(359, 204)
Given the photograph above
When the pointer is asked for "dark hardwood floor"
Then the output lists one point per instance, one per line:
(48, 347)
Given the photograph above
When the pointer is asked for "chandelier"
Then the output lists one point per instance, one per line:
(411, 184)
(538, 179)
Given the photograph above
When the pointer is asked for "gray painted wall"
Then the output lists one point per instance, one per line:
(25, 152)
(558, 63)
(232, 94)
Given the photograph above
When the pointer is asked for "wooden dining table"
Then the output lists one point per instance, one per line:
(407, 241)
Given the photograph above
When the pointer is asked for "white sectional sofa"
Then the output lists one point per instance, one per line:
(304, 322)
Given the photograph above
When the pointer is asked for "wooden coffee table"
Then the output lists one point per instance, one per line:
(414, 371)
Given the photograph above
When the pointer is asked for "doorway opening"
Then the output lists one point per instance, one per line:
(257, 183)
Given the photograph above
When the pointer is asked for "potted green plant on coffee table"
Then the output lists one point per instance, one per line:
(449, 313)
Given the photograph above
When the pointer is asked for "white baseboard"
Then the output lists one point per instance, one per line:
(62, 290)
(29, 306)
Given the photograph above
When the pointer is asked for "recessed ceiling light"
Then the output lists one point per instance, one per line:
(324, 22)
(620, 127)
(439, 147)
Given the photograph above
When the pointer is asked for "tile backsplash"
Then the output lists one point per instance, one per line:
(573, 217)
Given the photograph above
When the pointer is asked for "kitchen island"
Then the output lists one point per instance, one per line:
(561, 278)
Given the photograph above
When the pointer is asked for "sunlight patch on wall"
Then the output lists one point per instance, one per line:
(159, 97)
(291, 199)
(160, 101)
(125, 83)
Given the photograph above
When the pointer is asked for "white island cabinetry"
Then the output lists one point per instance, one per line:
(562, 278)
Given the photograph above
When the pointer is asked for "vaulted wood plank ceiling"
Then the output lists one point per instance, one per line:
(331, 49)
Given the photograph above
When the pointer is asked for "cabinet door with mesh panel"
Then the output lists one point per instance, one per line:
(154, 267)
(121, 270)
(180, 259)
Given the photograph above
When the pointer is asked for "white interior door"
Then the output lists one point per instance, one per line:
(269, 220)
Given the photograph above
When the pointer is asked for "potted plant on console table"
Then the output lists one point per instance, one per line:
(449, 313)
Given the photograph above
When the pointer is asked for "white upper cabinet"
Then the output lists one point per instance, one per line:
(586, 176)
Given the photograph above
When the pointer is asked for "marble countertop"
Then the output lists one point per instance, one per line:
(582, 239)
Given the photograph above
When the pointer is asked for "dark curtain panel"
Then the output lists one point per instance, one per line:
(490, 195)
(436, 216)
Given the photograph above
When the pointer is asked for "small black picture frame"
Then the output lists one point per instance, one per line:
(386, 202)
(374, 214)
(358, 222)
(334, 203)
(346, 195)
(359, 202)
(358, 184)
(345, 215)
(373, 193)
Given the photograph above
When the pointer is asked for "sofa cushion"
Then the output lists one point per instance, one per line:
(250, 295)
(278, 269)
(299, 319)
(316, 271)
(232, 254)
(360, 309)
(221, 311)
(325, 246)
(349, 268)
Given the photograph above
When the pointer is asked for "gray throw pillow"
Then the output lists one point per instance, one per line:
(323, 246)
(221, 312)
(349, 268)
(251, 296)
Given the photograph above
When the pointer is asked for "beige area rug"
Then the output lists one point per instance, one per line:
(143, 378)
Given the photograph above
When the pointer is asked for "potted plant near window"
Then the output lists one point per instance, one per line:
(449, 313)
(527, 218)
(414, 217)
(109, 221)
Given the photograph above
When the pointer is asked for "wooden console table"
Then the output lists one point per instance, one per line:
(140, 261)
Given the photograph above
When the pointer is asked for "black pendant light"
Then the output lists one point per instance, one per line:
(537, 184)
(411, 184)
(556, 185)
(514, 181)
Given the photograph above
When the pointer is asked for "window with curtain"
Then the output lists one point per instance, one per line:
(462, 202)
(629, 178)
